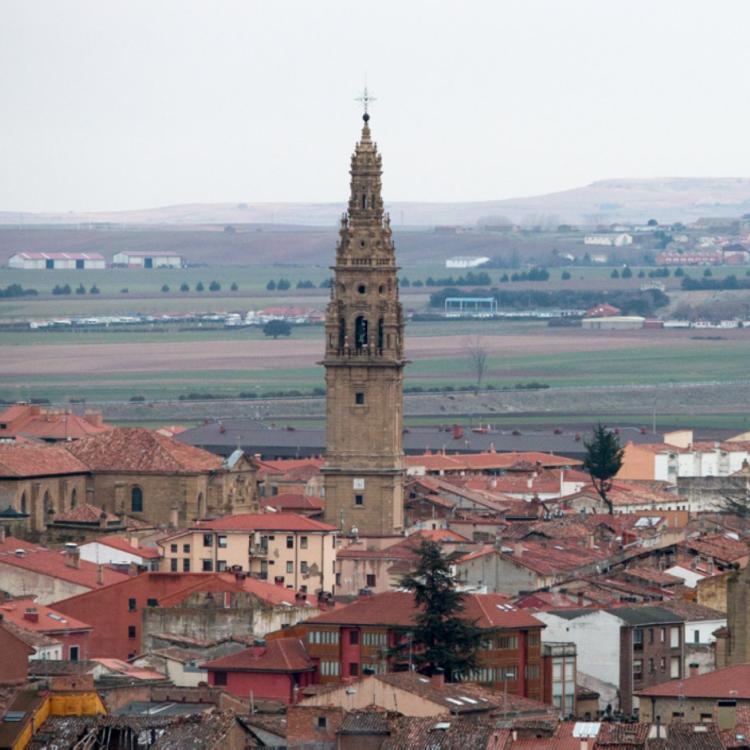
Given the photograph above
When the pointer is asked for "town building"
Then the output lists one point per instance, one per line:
(71, 635)
(614, 323)
(113, 549)
(620, 650)
(152, 477)
(39, 481)
(288, 549)
(273, 670)
(348, 641)
(57, 261)
(14, 666)
(146, 259)
(128, 616)
(701, 698)
(364, 362)
(49, 574)
(50, 425)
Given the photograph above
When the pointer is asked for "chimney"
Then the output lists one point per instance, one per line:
(458, 432)
(693, 669)
(72, 555)
(437, 678)
(134, 541)
(584, 743)
(31, 614)
(518, 549)
(258, 648)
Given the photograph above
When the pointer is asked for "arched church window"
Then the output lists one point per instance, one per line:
(24, 503)
(360, 332)
(381, 289)
(381, 331)
(362, 289)
(74, 498)
(342, 333)
(47, 504)
(136, 500)
(364, 201)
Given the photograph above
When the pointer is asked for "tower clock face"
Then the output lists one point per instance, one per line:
(358, 483)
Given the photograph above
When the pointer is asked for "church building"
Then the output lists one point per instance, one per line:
(364, 361)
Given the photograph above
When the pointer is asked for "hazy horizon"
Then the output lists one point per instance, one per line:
(154, 104)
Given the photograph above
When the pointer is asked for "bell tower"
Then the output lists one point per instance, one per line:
(364, 362)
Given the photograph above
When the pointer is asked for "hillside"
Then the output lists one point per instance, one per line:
(668, 199)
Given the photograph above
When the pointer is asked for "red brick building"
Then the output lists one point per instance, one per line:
(277, 670)
(349, 640)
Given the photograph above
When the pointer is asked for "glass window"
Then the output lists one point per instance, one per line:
(290, 567)
(207, 566)
(303, 542)
(136, 500)
(674, 667)
(186, 549)
(674, 637)
(354, 637)
(186, 565)
(173, 565)
(173, 548)
(507, 641)
(221, 565)
(359, 398)
(371, 580)
(359, 499)
(131, 631)
(220, 678)
(208, 540)
(131, 605)
(637, 669)
(290, 542)
(303, 566)
(221, 541)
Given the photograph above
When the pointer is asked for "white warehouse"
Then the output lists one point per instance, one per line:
(463, 261)
(147, 260)
(57, 261)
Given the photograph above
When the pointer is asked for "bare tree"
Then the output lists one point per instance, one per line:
(477, 354)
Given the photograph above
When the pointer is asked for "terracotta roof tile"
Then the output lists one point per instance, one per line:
(264, 522)
(278, 655)
(730, 682)
(289, 501)
(396, 608)
(136, 449)
(85, 513)
(48, 620)
(53, 563)
(122, 544)
(34, 460)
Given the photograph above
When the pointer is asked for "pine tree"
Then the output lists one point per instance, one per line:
(442, 637)
(602, 461)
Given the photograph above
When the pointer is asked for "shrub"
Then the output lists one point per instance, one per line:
(94, 289)
(284, 284)
(199, 287)
(271, 285)
(165, 287)
(627, 273)
(124, 290)
(80, 289)
(214, 286)
(234, 287)
(277, 328)
(565, 276)
(615, 274)
(184, 287)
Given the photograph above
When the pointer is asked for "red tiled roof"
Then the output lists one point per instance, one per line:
(292, 501)
(554, 557)
(48, 619)
(136, 449)
(719, 546)
(85, 513)
(278, 655)
(397, 608)
(33, 460)
(488, 460)
(122, 544)
(53, 563)
(54, 424)
(438, 535)
(264, 522)
(730, 682)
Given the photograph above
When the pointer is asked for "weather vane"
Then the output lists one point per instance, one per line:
(366, 99)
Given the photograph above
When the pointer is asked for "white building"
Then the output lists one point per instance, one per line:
(117, 550)
(57, 261)
(147, 260)
(465, 261)
(614, 323)
(609, 240)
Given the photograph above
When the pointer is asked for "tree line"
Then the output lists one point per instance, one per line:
(630, 302)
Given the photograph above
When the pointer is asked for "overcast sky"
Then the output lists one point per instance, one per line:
(139, 103)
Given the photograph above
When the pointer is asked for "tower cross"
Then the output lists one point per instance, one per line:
(366, 99)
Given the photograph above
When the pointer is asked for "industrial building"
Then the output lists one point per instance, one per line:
(147, 260)
(57, 261)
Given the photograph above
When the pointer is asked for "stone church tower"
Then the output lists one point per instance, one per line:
(364, 363)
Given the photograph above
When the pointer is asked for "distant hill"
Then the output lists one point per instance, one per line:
(666, 199)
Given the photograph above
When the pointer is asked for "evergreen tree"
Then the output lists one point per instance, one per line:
(234, 287)
(184, 287)
(199, 287)
(271, 285)
(602, 461)
(442, 637)
(214, 286)
(165, 287)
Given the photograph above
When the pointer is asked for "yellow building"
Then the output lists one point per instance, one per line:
(290, 550)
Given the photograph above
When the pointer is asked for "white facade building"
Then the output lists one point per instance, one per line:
(609, 240)
(147, 260)
(115, 552)
(466, 261)
(57, 261)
